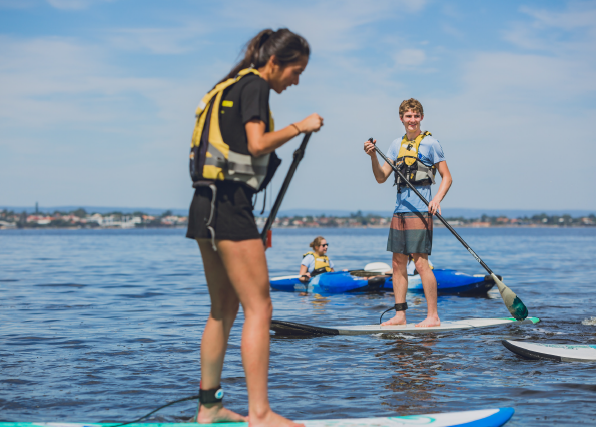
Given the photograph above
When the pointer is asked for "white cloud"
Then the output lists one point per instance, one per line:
(501, 128)
(167, 41)
(527, 79)
(567, 33)
(17, 4)
(53, 80)
(499, 124)
(410, 57)
(74, 4)
(505, 127)
(577, 16)
(454, 31)
(332, 27)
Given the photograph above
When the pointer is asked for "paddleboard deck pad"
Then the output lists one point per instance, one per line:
(289, 328)
(481, 418)
(557, 352)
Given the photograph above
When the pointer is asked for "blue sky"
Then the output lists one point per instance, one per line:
(98, 96)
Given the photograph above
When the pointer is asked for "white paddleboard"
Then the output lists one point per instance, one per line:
(481, 418)
(289, 328)
(558, 352)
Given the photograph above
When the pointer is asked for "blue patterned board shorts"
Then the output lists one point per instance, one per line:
(411, 233)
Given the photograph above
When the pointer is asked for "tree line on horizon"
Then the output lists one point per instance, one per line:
(355, 218)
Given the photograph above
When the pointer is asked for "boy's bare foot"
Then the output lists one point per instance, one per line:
(429, 322)
(271, 419)
(398, 319)
(216, 413)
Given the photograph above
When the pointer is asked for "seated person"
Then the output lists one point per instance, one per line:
(316, 261)
(411, 267)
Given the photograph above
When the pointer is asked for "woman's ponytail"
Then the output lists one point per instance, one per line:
(287, 47)
(317, 242)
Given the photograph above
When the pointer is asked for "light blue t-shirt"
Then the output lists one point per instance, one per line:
(430, 153)
(309, 262)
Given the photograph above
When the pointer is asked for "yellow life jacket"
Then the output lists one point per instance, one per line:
(408, 163)
(322, 264)
(211, 159)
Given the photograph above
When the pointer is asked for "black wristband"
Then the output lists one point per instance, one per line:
(215, 395)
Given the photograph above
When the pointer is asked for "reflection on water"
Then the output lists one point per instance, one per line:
(105, 325)
(319, 300)
(413, 374)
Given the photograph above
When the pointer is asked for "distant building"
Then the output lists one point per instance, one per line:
(5, 225)
(480, 224)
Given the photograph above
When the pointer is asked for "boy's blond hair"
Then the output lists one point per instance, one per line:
(410, 104)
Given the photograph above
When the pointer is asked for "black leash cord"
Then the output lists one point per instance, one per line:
(402, 306)
(161, 407)
(381, 319)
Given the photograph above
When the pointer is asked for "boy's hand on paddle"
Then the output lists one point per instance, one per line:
(312, 123)
(369, 147)
(434, 206)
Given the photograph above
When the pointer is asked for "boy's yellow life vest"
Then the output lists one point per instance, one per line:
(210, 157)
(408, 163)
(321, 263)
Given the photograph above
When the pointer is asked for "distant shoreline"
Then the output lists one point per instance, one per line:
(80, 218)
(360, 227)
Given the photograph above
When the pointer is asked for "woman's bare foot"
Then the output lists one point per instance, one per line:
(216, 413)
(398, 319)
(429, 322)
(271, 419)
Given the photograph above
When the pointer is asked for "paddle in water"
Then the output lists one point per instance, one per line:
(515, 305)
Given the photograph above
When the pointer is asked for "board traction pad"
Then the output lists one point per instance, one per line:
(479, 418)
(290, 328)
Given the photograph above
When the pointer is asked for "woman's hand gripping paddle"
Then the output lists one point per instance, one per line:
(515, 306)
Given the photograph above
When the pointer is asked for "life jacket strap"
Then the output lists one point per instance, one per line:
(319, 271)
(236, 166)
(213, 188)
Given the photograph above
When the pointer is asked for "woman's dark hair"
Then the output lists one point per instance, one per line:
(287, 47)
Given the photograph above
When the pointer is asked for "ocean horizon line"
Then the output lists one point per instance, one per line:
(290, 212)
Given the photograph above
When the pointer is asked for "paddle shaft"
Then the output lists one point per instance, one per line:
(298, 155)
(438, 215)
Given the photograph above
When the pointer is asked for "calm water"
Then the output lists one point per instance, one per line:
(105, 325)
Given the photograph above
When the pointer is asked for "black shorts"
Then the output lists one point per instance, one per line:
(232, 216)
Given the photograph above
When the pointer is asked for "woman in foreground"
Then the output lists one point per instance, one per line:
(231, 160)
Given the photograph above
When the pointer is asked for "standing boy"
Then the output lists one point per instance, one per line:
(418, 156)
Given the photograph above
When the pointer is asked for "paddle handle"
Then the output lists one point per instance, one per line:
(438, 215)
(298, 155)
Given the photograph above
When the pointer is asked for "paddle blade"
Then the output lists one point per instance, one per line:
(515, 306)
